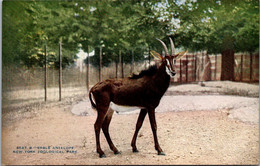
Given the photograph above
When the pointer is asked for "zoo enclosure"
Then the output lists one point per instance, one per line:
(22, 86)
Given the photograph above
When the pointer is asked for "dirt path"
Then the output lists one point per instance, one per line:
(194, 137)
(242, 108)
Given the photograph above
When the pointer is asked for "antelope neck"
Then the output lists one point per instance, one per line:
(161, 80)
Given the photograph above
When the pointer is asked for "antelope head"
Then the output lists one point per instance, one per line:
(169, 60)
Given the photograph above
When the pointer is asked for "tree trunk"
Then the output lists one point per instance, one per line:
(87, 69)
(60, 70)
(187, 69)
(149, 56)
(117, 57)
(133, 61)
(45, 74)
(227, 65)
(251, 67)
(207, 69)
(241, 68)
(195, 67)
(100, 64)
(122, 66)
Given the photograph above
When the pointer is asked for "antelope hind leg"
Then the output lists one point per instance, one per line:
(105, 128)
(97, 127)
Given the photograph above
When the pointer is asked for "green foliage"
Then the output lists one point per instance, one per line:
(30, 25)
(218, 25)
(124, 25)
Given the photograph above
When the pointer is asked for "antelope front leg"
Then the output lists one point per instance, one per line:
(138, 126)
(151, 114)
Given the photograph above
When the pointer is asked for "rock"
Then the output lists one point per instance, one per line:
(82, 108)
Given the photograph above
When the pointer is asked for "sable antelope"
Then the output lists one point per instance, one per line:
(143, 91)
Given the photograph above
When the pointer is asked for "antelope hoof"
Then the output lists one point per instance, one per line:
(135, 151)
(161, 153)
(117, 152)
(102, 156)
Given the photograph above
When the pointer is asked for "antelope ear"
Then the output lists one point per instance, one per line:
(156, 55)
(181, 54)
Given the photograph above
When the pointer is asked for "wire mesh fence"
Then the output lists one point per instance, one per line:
(22, 86)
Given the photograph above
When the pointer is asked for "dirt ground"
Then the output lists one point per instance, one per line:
(54, 135)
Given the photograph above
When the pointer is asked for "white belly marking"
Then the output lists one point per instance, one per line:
(123, 108)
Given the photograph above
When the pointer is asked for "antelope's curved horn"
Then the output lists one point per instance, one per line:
(164, 46)
(172, 47)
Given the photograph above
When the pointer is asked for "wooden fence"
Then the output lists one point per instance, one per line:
(202, 67)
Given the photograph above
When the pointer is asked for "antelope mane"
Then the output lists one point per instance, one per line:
(148, 72)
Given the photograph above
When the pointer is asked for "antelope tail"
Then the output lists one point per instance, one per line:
(91, 101)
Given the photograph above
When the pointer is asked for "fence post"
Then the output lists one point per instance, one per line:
(187, 77)
(195, 66)
(207, 68)
(87, 72)
(241, 68)
(117, 60)
(145, 61)
(180, 71)
(149, 56)
(192, 67)
(60, 70)
(45, 73)
(251, 66)
(216, 60)
(202, 61)
(100, 64)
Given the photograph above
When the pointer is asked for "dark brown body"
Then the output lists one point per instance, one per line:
(144, 92)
